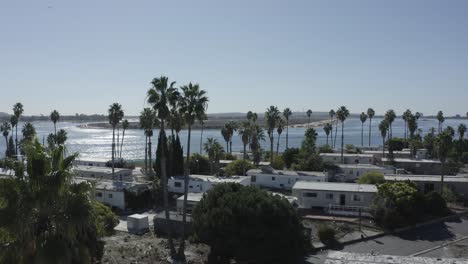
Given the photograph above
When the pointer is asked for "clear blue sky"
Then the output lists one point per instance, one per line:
(80, 56)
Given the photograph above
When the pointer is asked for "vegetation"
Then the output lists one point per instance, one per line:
(363, 118)
(332, 114)
(278, 163)
(272, 117)
(342, 113)
(237, 223)
(287, 113)
(215, 151)
(370, 115)
(326, 234)
(200, 165)
(371, 178)
(115, 114)
(238, 167)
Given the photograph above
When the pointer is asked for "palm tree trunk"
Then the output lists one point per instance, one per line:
(370, 130)
(277, 144)
(118, 140)
(162, 135)
(227, 146)
(146, 154)
(113, 148)
(201, 138)
(55, 130)
(383, 150)
(230, 146)
(272, 142)
(342, 142)
(287, 133)
(327, 139)
(308, 124)
(7, 151)
(362, 134)
(245, 154)
(16, 141)
(184, 209)
(150, 160)
(121, 144)
(331, 135)
(442, 178)
(336, 133)
(406, 136)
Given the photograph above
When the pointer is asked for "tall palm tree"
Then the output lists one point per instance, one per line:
(202, 123)
(332, 114)
(418, 115)
(441, 119)
(14, 123)
(309, 114)
(125, 125)
(390, 117)
(279, 130)
(225, 134)
(17, 112)
(287, 114)
(342, 114)
(54, 117)
(147, 117)
(327, 129)
(272, 115)
(406, 115)
(444, 145)
(193, 102)
(257, 135)
(370, 115)
(363, 118)
(214, 150)
(231, 127)
(245, 131)
(461, 131)
(5, 129)
(161, 96)
(383, 127)
(115, 114)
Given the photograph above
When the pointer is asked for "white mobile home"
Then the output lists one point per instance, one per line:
(428, 183)
(335, 158)
(192, 200)
(341, 198)
(95, 162)
(104, 173)
(417, 166)
(350, 173)
(203, 183)
(280, 179)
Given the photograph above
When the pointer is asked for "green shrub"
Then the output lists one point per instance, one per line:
(278, 163)
(290, 156)
(238, 167)
(311, 163)
(106, 220)
(436, 205)
(371, 178)
(325, 149)
(199, 164)
(229, 156)
(326, 234)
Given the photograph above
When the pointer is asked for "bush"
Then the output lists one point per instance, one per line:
(229, 156)
(325, 149)
(312, 163)
(371, 178)
(326, 234)
(436, 205)
(278, 163)
(237, 222)
(290, 156)
(238, 167)
(106, 220)
(199, 164)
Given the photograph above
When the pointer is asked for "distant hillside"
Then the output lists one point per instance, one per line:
(2, 114)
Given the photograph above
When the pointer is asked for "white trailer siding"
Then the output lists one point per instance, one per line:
(283, 179)
(317, 194)
(335, 158)
(350, 173)
(203, 183)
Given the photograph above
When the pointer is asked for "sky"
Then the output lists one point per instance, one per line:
(81, 56)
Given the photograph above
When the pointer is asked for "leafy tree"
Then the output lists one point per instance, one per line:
(308, 144)
(238, 167)
(11, 146)
(370, 115)
(200, 165)
(371, 178)
(226, 136)
(325, 149)
(287, 113)
(436, 204)
(326, 234)
(236, 222)
(115, 115)
(444, 145)
(58, 221)
(290, 156)
(342, 114)
(309, 163)
(106, 220)
(278, 163)
(363, 118)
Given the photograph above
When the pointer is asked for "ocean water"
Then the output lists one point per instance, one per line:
(92, 143)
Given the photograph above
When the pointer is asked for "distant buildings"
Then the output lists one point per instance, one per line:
(428, 183)
(105, 173)
(203, 183)
(416, 166)
(335, 158)
(280, 179)
(351, 172)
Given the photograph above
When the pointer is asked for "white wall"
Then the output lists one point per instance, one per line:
(110, 197)
(348, 159)
(321, 199)
(351, 174)
(197, 186)
(281, 181)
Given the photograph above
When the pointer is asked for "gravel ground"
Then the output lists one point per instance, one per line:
(123, 248)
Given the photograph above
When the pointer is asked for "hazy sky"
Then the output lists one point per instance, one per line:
(80, 56)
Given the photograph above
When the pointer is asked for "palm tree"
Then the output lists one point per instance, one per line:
(309, 114)
(231, 127)
(214, 150)
(272, 116)
(279, 130)
(342, 114)
(257, 135)
(161, 96)
(245, 132)
(29, 132)
(461, 131)
(327, 128)
(418, 115)
(444, 145)
(390, 117)
(383, 127)
(147, 117)
(115, 114)
(225, 134)
(202, 123)
(405, 118)
(54, 117)
(193, 102)
(14, 123)
(370, 115)
(441, 119)
(363, 118)
(17, 111)
(5, 129)
(286, 114)
(125, 125)
(332, 114)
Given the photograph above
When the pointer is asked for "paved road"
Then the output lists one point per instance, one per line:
(409, 242)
